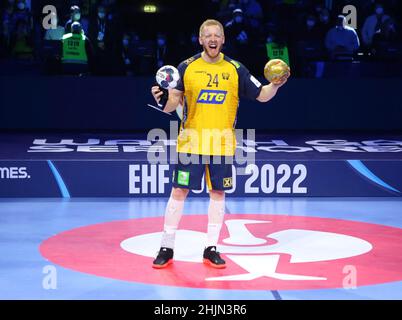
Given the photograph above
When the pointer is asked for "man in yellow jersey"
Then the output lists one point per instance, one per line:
(211, 85)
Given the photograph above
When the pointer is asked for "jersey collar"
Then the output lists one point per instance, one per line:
(221, 56)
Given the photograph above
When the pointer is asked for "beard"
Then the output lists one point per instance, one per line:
(212, 53)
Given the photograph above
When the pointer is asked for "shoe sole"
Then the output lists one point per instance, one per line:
(162, 266)
(213, 265)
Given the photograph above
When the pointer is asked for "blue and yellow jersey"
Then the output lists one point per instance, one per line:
(211, 93)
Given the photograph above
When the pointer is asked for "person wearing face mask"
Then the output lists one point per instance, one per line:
(307, 45)
(128, 61)
(100, 27)
(342, 41)
(102, 37)
(239, 35)
(75, 16)
(373, 25)
(310, 31)
(324, 22)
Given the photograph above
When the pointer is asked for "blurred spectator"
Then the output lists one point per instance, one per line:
(7, 24)
(56, 32)
(22, 12)
(310, 31)
(101, 35)
(226, 12)
(304, 27)
(238, 34)
(76, 51)
(308, 45)
(98, 28)
(185, 46)
(128, 60)
(374, 24)
(161, 50)
(388, 33)
(21, 26)
(342, 41)
(21, 44)
(387, 44)
(276, 48)
(318, 9)
(75, 16)
(145, 53)
(253, 12)
(111, 8)
(195, 46)
(324, 23)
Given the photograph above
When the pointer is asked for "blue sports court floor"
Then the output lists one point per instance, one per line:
(343, 248)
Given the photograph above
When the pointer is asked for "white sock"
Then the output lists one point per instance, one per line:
(213, 234)
(168, 237)
(216, 213)
(173, 214)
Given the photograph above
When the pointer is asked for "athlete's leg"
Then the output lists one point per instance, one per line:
(218, 178)
(173, 214)
(216, 212)
(185, 177)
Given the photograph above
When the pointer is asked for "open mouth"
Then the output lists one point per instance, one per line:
(213, 46)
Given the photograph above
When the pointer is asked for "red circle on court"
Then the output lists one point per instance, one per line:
(96, 249)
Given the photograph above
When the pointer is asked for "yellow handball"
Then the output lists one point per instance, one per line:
(276, 71)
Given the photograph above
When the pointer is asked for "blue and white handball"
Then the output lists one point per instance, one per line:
(167, 77)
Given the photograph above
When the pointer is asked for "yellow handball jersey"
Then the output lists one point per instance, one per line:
(211, 93)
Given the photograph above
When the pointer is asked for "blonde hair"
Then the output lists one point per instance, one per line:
(211, 22)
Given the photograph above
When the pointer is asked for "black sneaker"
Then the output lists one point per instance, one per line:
(213, 259)
(164, 258)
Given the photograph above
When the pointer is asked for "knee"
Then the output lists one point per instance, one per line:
(179, 194)
(217, 195)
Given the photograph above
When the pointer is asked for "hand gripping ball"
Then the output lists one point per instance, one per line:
(276, 71)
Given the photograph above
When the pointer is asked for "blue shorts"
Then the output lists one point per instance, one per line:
(217, 169)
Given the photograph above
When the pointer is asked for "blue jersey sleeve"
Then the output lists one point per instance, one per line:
(249, 86)
(182, 68)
